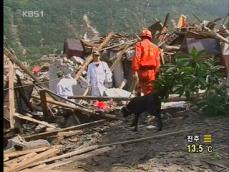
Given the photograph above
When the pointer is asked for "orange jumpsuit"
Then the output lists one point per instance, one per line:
(146, 63)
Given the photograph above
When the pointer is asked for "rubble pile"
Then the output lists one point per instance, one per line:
(32, 106)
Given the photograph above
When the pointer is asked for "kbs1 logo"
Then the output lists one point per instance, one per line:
(31, 14)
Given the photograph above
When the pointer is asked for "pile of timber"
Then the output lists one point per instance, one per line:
(36, 107)
(18, 160)
(47, 158)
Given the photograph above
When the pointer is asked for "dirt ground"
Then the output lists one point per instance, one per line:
(165, 154)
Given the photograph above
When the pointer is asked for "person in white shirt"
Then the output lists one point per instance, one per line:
(65, 86)
(97, 74)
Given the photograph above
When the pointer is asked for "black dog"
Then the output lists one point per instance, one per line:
(150, 103)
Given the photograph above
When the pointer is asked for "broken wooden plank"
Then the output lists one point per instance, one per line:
(99, 98)
(20, 153)
(171, 48)
(162, 59)
(19, 159)
(17, 62)
(6, 159)
(117, 45)
(225, 29)
(6, 169)
(11, 93)
(86, 111)
(41, 166)
(67, 155)
(90, 57)
(84, 94)
(55, 95)
(22, 165)
(62, 104)
(44, 103)
(33, 120)
(90, 44)
(133, 85)
(79, 157)
(94, 147)
(123, 84)
(9, 130)
(165, 21)
(51, 133)
(66, 134)
(216, 35)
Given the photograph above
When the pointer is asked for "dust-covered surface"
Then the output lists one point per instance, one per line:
(165, 154)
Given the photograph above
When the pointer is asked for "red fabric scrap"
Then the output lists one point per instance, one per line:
(101, 105)
(36, 69)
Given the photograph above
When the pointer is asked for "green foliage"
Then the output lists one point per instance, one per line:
(191, 73)
(215, 102)
(64, 19)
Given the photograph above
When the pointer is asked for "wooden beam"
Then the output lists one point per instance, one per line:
(17, 62)
(84, 94)
(82, 151)
(216, 35)
(55, 95)
(69, 154)
(6, 169)
(90, 44)
(90, 57)
(161, 56)
(33, 120)
(24, 164)
(11, 94)
(44, 103)
(165, 21)
(125, 98)
(123, 84)
(99, 98)
(19, 159)
(76, 158)
(117, 45)
(54, 132)
(62, 104)
(20, 153)
(65, 134)
(85, 110)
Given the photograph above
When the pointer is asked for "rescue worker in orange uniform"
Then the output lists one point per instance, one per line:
(145, 63)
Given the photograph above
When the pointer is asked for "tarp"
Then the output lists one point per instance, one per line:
(210, 45)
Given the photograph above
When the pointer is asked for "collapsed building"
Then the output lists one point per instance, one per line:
(31, 102)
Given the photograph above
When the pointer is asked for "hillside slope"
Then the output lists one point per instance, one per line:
(59, 19)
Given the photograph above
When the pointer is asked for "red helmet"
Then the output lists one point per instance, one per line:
(146, 33)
